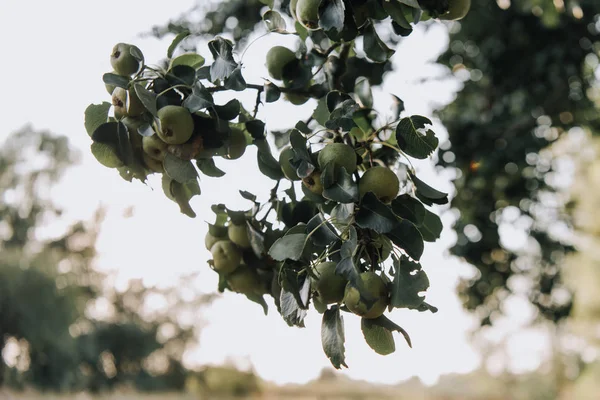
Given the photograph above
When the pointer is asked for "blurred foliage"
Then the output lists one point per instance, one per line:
(525, 85)
(49, 335)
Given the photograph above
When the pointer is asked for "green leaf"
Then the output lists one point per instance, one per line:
(407, 207)
(183, 192)
(224, 64)
(396, 11)
(106, 155)
(268, 165)
(257, 240)
(288, 247)
(341, 187)
(199, 99)
(374, 47)
(228, 111)
(373, 214)
(426, 193)
(260, 300)
(207, 167)
(431, 228)
(388, 324)
(176, 41)
(321, 113)
(331, 15)
(116, 80)
(96, 115)
(377, 337)
(397, 107)
(409, 281)
(272, 92)
(192, 60)
(322, 232)
(274, 22)
(332, 337)
(364, 93)
(411, 3)
(407, 237)
(302, 160)
(348, 269)
(182, 74)
(293, 300)
(236, 81)
(147, 98)
(256, 128)
(412, 141)
(116, 135)
(342, 215)
(181, 171)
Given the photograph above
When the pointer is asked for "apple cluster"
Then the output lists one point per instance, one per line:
(347, 233)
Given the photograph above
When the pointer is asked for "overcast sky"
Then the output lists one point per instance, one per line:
(54, 55)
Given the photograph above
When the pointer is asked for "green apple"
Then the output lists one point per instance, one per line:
(211, 238)
(277, 58)
(176, 124)
(152, 164)
(236, 147)
(284, 161)
(339, 154)
(330, 287)
(123, 61)
(313, 182)
(154, 147)
(246, 280)
(119, 102)
(295, 98)
(226, 256)
(376, 287)
(457, 9)
(238, 234)
(382, 181)
(307, 12)
(126, 103)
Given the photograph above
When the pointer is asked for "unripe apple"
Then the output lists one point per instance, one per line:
(376, 287)
(119, 102)
(286, 167)
(226, 256)
(457, 9)
(382, 181)
(313, 182)
(339, 154)
(295, 98)
(123, 61)
(154, 147)
(307, 12)
(210, 239)
(152, 164)
(126, 103)
(245, 280)
(238, 234)
(277, 58)
(237, 144)
(176, 124)
(330, 287)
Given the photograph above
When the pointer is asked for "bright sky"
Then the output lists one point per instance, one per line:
(54, 55)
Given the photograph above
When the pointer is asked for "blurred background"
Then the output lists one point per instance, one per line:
(104, 288)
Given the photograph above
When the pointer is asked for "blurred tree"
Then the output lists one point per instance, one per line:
(525, 85)
(48, 338)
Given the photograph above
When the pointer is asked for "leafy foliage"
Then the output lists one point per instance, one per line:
(531, 83)
(340, 58)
